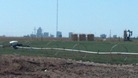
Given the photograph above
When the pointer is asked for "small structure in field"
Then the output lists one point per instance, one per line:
(82, 37)
(127, 35)
(90, 37)
(74, 37)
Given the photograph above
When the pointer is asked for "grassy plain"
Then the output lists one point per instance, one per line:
(82, 45)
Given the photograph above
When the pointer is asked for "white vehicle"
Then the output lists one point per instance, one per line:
(14, 44)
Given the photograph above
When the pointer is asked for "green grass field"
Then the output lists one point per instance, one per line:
(90, 46)
(85, 45)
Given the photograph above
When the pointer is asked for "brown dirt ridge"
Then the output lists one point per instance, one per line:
(16, 66)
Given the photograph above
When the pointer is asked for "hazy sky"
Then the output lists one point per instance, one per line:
(20, 17)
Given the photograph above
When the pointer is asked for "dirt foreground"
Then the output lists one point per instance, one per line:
(15, 66)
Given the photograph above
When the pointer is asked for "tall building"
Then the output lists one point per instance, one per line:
(59, 34)
(39, 32)
(103, 35)
(70, 34)
(46, 34)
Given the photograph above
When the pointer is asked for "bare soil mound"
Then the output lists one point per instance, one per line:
(15, 66)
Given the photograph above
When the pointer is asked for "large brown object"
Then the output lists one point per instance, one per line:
(75, 37)
(90, 37)
(82, 37)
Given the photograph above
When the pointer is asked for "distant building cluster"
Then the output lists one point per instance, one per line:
(39, 33)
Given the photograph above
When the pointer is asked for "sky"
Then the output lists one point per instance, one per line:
(21, 17)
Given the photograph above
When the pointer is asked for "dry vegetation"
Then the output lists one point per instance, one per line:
(33, 39)
(16, 66)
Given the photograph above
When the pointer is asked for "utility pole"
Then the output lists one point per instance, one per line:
(57, 20)
(110, 35)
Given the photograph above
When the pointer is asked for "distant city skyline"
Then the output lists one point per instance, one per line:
(38, 32)
(20, 17)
